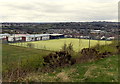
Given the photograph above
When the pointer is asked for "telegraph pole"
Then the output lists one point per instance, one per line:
(89, 35)
(105, 35)
(14, 36)
(99, 35)
(79, 40)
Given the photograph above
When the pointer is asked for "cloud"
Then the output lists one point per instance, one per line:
(58, 10)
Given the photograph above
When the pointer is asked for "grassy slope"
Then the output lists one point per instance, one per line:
(58, 43)
(104, 70)
(13, 54)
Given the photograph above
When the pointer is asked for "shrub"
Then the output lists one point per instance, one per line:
(58, 59)
(68, 48)
(91, 54)
(64, 48)
(87, 54)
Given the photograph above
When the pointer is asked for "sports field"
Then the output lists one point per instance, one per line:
(57, 44)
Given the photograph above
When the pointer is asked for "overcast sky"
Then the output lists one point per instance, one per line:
(58, 10)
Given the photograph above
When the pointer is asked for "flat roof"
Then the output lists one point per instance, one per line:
(56, 34)
(4, 34)
(29, 35)
(37, 35)
(1, 37)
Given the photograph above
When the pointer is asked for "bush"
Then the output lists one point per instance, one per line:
(64, 48)
(91, 54)
(58, 59)
(87, 54)
(68, 48)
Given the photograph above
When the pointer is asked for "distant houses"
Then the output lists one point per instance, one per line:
(96, 31)
(97, 37)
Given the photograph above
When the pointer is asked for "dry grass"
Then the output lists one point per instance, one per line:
(88, 73)
(63, 77)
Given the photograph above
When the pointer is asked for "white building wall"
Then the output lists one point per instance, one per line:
(10, 39)
(28, 39)
(45, 38)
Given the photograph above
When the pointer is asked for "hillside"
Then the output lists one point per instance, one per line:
(19, 60)
(104, 70)
(12, 55)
